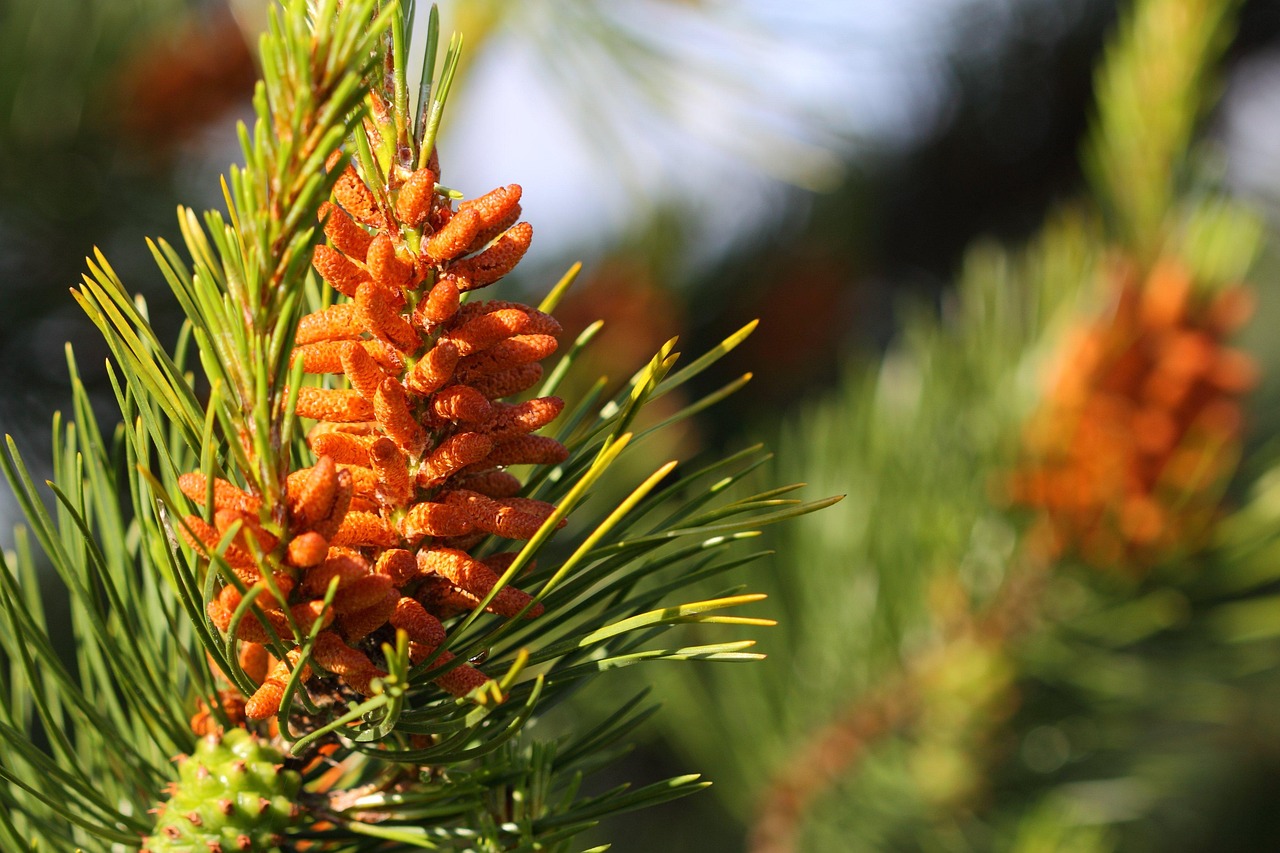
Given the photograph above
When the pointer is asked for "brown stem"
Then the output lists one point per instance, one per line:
(828, 756)
(835, 749)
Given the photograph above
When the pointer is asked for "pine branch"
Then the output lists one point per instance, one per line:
(1151, 90)
(834, 751)
(314, 565)
(897, 715)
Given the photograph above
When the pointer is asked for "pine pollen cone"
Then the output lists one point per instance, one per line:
(205, 721)
(362, 371)
(1144, 394)
(387, 270)
(416, 195)
(346, 236)
(337, 270)
(265, 702)
(410, 455)
(442, 302)
(498, 209)
(494, 262)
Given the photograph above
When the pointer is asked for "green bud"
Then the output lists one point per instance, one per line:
(232, 794)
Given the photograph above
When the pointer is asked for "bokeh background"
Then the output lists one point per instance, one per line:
(822, 165)
(713, 161)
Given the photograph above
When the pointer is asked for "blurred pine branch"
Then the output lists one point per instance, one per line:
(950, 674)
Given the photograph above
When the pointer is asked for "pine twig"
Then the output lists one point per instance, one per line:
(836, 749)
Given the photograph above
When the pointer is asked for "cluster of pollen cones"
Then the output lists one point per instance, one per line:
(410, 458)
(1128, 455)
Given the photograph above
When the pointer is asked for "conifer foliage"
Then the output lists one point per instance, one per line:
(1054, 608)
(293, 563)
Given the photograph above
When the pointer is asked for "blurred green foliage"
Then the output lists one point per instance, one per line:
(933, 685)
